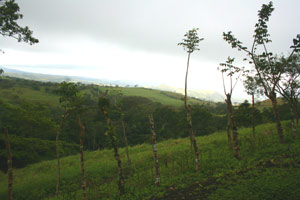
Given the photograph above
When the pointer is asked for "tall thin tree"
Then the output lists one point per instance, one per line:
(118, 105)
(154, 149)
(104, 104)
(72, 102)
(230, 70)
(57, 151)
(190, 44)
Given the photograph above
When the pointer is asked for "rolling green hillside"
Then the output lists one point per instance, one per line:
(15, 89)
(268, 170)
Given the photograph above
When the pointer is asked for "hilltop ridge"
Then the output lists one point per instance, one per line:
(206, 95)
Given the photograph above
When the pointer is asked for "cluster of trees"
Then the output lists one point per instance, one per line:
(270, 73)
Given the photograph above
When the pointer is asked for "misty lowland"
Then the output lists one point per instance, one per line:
(70, 137)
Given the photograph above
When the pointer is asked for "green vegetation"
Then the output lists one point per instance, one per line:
(267, 170)
(28, 118)
(15, 90)
(260, 165)
(31, 150)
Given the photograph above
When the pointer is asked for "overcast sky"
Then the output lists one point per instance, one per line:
(137, 40)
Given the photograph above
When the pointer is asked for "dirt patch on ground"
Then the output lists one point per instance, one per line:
(202, 189)
(195, 191)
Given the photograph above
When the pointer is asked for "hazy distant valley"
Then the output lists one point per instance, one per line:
(206, 95)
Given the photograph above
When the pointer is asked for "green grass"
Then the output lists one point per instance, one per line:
(163, 97)
(268, 170)
(268, 104)
(26, 92)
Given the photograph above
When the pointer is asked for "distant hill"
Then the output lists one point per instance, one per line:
(205, 95)
(55, 78)
(14, 88)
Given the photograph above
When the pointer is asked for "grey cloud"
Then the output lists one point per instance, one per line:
(155, 25)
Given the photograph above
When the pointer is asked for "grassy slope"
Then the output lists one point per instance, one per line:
(28, 94)
(41, 96)
(163, 97)
(267, 170)
(268, 104)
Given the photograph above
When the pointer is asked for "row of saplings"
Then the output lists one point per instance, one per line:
(72, 102)
(267, 76)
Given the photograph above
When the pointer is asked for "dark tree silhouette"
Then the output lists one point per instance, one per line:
(9, 15)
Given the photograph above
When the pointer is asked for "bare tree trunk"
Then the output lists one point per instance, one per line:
(295, 106)
(294, 130)
(157, 174)
(273, 98)
(124, 133)
(253, 117)
(57, 153)
(233, 127)
(83, 181)
(193, 139)
(228, 129)
(189, 119)
(58, 163)
(113, 137)
(126, 141)
(9, 165)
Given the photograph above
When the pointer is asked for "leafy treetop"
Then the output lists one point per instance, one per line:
(70, 99)
(191, 41)
(9, 14)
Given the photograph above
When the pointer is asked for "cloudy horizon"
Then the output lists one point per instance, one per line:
(137, 40)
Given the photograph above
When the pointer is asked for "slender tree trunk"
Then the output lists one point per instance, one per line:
(233, 127)
(185, 98)
(253, 117)
(189, 118)
(57, 153)
(296, 110)
(193, 139)
(124, 133)
(83, 181)
(9, 165)
(273, 98)
(185, 85)
(157, 174)
(126, 141)
(228, 129)
(294, 130)
(113, 137)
